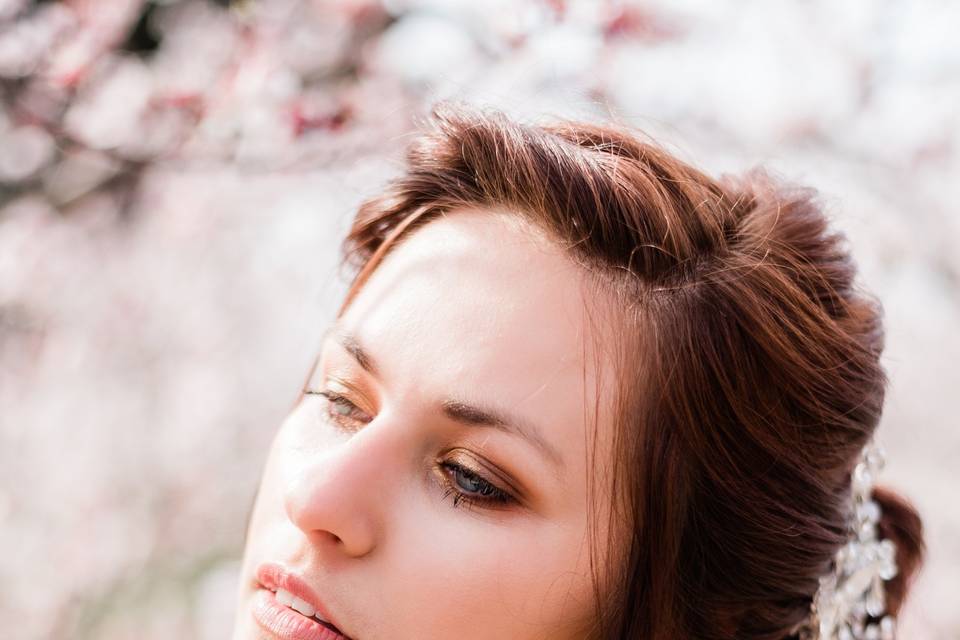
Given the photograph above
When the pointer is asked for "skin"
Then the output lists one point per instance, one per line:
(476, 308)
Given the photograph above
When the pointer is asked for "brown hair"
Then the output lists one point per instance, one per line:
(750, 378)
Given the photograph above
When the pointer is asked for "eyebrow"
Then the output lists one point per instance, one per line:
(350, 343)
(474, 416)
(462, 412)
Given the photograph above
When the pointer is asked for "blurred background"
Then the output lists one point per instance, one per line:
(176, 176)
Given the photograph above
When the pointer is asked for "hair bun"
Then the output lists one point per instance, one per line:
(901, 524)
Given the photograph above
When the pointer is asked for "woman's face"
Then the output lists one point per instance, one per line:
(432, 480)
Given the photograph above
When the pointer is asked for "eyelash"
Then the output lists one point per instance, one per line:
(487, 495)
(335, 399)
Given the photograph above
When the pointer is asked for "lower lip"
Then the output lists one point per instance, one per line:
(284, 622)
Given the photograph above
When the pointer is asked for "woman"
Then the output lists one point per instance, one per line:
(579, 389)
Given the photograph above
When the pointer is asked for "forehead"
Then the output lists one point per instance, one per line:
(480, 305)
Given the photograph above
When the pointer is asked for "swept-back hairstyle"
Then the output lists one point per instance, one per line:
(750, 375)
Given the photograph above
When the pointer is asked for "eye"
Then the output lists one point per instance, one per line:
(467, 486)
(341, 410)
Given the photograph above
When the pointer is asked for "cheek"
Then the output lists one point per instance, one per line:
(267, 509)
(520, 578)
(300, 434)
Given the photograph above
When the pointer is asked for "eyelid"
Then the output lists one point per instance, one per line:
(341, 387)
(501, 500)
(477, 465)
(343, 422)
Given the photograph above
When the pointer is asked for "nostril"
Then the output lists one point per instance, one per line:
(328, 500)
(327, 538)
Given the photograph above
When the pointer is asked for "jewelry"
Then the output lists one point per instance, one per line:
(850, 603)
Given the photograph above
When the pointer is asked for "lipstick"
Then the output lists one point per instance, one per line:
(287, 606)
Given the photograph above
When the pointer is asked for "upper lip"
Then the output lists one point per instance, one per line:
(274, 576)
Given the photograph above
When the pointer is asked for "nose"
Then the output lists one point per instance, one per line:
(339, 496)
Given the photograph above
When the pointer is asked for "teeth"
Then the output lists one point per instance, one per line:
(303, 607)
(288, 599)
(285, 597)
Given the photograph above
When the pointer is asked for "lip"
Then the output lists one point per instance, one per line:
(283, 621)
